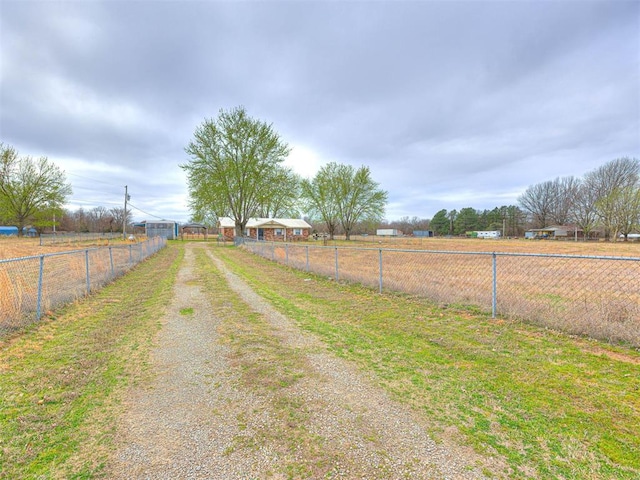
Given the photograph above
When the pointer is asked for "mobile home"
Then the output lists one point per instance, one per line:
(488, 234)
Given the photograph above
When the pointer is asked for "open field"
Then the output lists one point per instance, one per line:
(41, 278)
(589, 289)
(564, 247)
(14, 247)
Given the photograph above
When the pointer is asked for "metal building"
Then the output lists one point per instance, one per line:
(166, 229)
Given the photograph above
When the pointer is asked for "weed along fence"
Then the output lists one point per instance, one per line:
(30, 286)
(598, 296)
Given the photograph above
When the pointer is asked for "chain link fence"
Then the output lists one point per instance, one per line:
(31, 286)
(71, 238)
(597, 296)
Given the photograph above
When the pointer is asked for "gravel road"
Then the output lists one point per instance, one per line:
(183, 422)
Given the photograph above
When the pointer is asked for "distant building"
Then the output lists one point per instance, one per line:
(559, 232)
(11, 231)
(166, 229)
(388, 232)
(271, 229)
(488, 234)
(8, 231)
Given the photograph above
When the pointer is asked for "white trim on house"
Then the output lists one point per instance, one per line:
(228, 222)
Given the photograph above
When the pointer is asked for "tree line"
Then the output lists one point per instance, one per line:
(606, 198)
(236, 170)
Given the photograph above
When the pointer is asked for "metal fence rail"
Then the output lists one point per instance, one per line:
(71, 238)
(598, 296)
(30, 286)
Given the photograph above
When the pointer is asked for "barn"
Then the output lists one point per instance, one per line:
(8, 231)
(270, 229)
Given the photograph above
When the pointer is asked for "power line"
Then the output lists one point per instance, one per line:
(146, 213)
(93, 179)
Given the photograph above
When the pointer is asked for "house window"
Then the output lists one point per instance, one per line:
(278, 232)
(297, 231)
(247, 232)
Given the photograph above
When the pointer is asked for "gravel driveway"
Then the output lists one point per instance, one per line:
(184, 421)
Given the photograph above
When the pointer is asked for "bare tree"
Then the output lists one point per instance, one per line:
(117, 217)
(100, 219)
(564, 193)
(583, 209)
(607, 182)
(538, 201)
(625, 215)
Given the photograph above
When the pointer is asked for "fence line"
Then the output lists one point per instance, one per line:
(30, 286)
(70, 238)
(598, 296)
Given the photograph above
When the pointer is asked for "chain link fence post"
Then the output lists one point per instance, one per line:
(86, 261)
(380, 267)
(494, 293)
(39, 303)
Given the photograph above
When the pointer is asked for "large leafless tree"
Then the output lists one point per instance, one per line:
(608, 183)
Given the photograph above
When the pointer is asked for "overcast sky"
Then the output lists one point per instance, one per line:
(451, 104)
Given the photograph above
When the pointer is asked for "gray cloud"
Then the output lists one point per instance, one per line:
(451, 104)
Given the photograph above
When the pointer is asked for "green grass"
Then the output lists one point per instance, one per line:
(546, 405)
(267, 368)
(61, 381)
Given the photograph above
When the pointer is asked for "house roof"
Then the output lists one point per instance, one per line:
(194, 225)
(555, 228)
(228, 222)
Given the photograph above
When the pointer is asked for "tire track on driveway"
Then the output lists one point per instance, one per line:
(378, 437)
(183, 423)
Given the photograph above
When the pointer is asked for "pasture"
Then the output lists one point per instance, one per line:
(596, 297)
(35, 279)
(586, 289)
(16, 247)
(563, 247)
(13, 247)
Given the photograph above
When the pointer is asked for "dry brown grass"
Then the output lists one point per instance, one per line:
(64, 275)
(15, 247)
(565, 247)
(585, 296)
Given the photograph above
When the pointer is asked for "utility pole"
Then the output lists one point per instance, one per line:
(124, 220)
